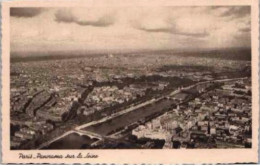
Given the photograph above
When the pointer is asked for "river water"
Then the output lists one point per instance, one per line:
(130, 117)
(75, 141)
(71, 141)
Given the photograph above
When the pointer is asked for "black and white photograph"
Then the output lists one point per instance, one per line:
(111, 77)
(170, 77)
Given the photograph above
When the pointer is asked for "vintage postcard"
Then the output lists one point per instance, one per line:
(130, 82)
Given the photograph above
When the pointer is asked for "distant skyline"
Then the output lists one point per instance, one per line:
(129, 28)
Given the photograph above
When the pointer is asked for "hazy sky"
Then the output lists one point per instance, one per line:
(55, 29)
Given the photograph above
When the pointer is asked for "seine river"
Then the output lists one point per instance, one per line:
(71, 141)
(75, 141)
(130, 117)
